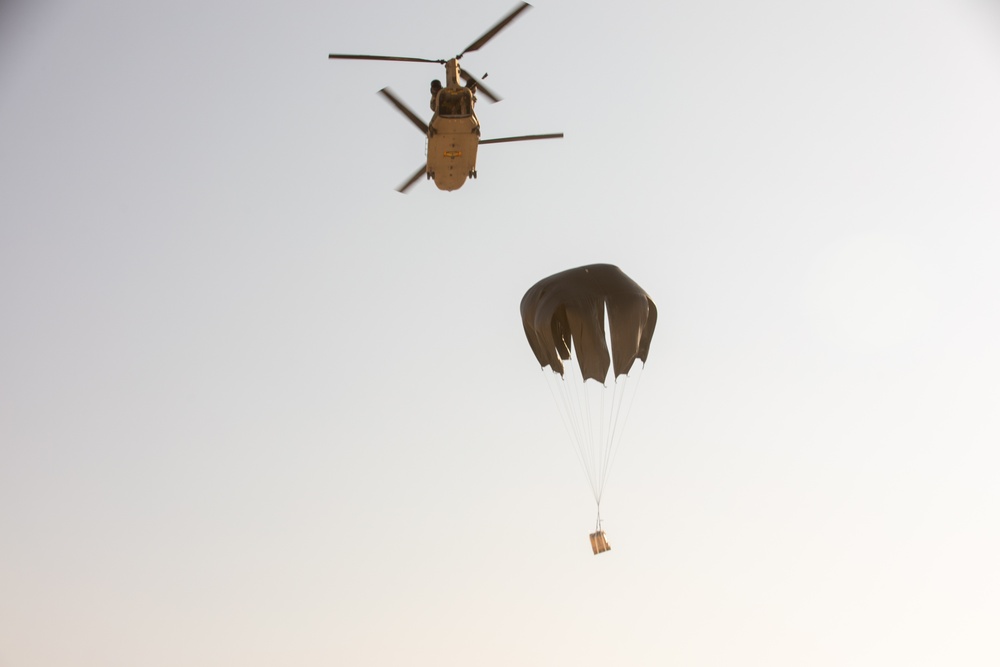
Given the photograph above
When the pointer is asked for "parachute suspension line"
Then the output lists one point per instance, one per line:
(614, 433)
(596, 438)
(593, 436)
(628, 410)
(609, 412)
(607, 437)
(581, 399)
(571, 405)
(621, 402)
(577, 407)
(564, 407)
(599, 435)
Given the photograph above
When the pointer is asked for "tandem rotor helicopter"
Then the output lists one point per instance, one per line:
(453, 135)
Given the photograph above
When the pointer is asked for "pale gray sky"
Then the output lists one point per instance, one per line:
(257, 408)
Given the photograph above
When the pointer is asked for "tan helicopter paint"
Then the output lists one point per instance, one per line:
(451, 150)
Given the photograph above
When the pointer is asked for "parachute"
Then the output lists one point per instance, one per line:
(571, 319)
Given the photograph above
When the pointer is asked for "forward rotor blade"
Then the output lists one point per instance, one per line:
(526, 137)
(490, 95)
(344, 56)
(413, 180)
(492, 32)
(405, 110)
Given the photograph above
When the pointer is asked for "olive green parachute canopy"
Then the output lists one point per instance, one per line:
(565, 313)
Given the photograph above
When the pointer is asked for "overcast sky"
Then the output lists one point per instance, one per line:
(258, 408)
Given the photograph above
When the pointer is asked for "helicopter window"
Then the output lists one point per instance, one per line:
(457, 103)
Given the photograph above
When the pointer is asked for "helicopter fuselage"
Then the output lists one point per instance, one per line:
(452, 144)
(452, 136)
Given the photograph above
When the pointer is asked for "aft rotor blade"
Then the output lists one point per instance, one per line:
(492, 32)
(412, 180)
(404, 59)
(490, 95)
(526, 137)
(405, 110)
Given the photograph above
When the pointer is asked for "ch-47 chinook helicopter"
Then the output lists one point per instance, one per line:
(453, 135)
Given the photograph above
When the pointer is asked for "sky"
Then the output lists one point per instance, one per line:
(258, 408)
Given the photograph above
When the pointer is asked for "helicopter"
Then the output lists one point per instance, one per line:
(453, 133)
